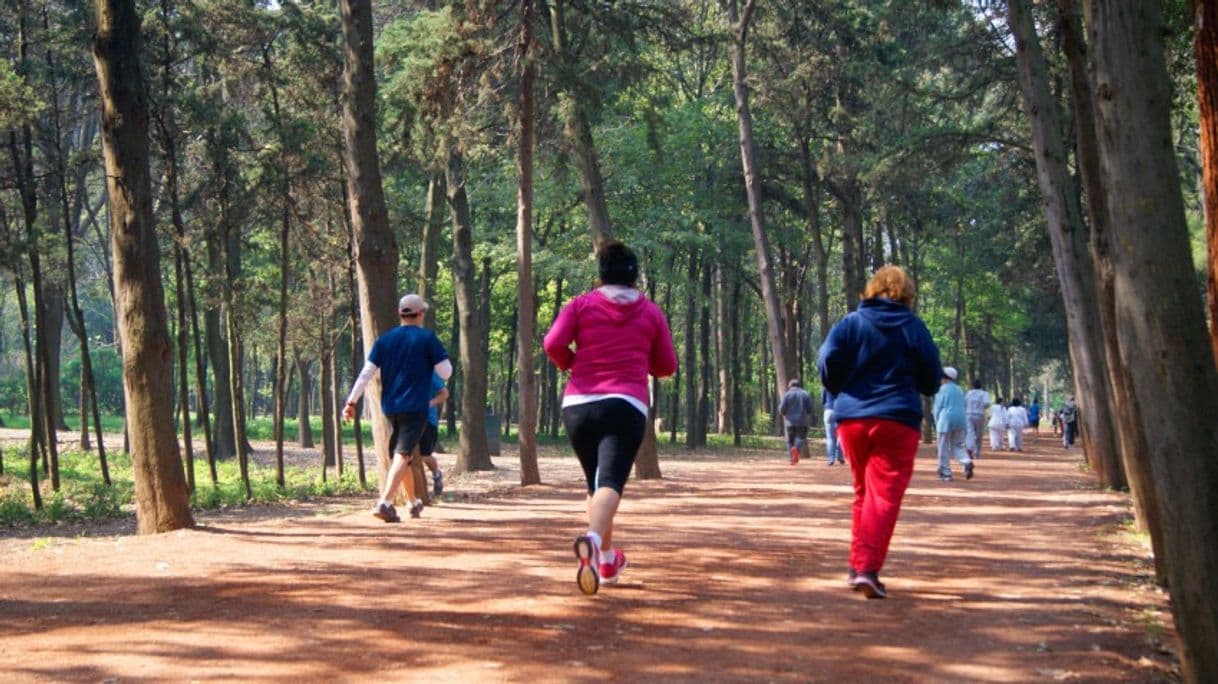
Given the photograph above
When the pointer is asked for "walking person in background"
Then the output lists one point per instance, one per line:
(997, 424)
(620, 337)
(1017, 421)
(975, 401)
(1068, 415)
(1034, 419)
(406, 357)
(431, 433)
(876, 361)
(950, 426)
(833, 448)
(796, 410)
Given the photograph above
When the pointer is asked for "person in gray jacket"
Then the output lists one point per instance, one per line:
(796, 410)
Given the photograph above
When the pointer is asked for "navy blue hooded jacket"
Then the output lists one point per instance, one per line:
(876, 360)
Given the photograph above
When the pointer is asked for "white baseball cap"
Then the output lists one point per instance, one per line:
(950, 372)
(411, 304)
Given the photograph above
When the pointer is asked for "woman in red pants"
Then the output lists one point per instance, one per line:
(877, 360)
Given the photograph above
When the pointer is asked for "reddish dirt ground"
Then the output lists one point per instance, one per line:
(1024, 574)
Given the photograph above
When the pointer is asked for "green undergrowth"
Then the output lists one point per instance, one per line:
(83, 496)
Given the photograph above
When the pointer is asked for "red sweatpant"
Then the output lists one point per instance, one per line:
(881, 454)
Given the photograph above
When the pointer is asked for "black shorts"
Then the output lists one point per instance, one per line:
(407, 431)
(1034, 423)
(606, 436)
(427, 442)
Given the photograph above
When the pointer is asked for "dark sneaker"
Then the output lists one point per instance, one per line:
(945, 476)
(609, 572)
(869, 583)
(588, 555)
(968, 471)
(416, 509)
(841, 461)
(437, 484)
(386, 512)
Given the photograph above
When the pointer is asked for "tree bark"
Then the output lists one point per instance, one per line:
(304, 429)
(376, 252)
(31, 380)
(724, 340)
(1160, 321)
(1130, 439)
(473, 452)
(690, 363)
(356, 352)
(200, 374)
(752, 184)
(429, 260)
(526, 302)
(1068, 234)
(1205, 46)
(161, 497)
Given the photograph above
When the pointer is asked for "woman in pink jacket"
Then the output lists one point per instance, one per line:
(620, 338)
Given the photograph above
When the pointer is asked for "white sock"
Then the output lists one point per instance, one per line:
(596, 539)
(608, 555)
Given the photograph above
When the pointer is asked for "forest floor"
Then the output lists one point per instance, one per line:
(1026, 573)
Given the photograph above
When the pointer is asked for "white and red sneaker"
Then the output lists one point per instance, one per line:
(794, 455)
(588, 553)
(611, 570)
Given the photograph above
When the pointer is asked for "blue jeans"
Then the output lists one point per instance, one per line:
(832, 449)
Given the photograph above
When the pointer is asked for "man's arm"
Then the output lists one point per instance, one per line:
(357, 390)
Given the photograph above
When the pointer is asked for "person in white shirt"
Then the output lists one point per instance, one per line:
(1017, 420)
(975, 401)
(998, 424)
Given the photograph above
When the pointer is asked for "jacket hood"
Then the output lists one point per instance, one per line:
(620, 308)
(885, 313)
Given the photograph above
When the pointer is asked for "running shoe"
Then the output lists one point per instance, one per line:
(589, 557)
(869, 583)
(609, 571)
(416, 508)
(794, 455)
(968, 471)
(437, 482)
(386, 512)
(850, 577)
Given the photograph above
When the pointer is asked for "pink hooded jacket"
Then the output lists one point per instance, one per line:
(617, 344)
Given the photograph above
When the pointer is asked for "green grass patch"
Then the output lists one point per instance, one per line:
(83, 496)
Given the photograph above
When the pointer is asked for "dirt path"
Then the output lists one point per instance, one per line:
(737, 574)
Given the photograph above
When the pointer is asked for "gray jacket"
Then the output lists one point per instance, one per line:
(796, 407)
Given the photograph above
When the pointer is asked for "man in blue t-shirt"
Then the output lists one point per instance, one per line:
(407, 357)
(431, 433)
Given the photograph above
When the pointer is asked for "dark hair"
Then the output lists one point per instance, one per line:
(618, 264)
(1016, 402)
(794, 383)
(976, 384)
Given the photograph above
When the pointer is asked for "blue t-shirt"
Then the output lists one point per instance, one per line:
(1034, 412)
(406, 356)
(433, 412)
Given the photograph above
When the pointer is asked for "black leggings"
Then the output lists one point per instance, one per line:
(606, 435)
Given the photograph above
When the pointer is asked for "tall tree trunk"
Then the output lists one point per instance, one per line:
(555, 392)
(704, 387)
(429, 260)
(304, 429)
(32, 391)
(526, 320)
(473, 452)
(217, 354)
(737, 400)
(1160, 321)
(376, 252)
(820, 250)
(356, 350)
(578, 131)
(752, 184)
(200, 374)
(647, 462)
(690, 363)
(724, 341)
(1205, 46)
(1068, 234)
(161, 498)
(53, 306)
(327, 408)
(1130, 439)
(853, 250)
